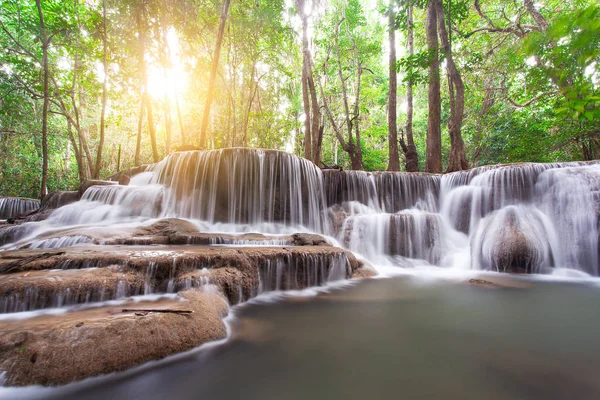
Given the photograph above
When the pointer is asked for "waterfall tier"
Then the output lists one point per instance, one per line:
(11, 207)
(522, 217)
(242, 186)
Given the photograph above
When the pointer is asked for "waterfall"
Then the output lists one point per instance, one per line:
(383, 191)
(522, 217)
(11, 207)
(242, 186)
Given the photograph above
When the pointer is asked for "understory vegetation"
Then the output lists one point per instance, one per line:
(90, 87)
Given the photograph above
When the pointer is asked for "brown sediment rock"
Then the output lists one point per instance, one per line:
(308, 239)
(60, 198)
(364, 272)
(496, 282)
(77, 345)
(130, 172)
(87, 183)
(124, 179)
(42, 289)
(234, 269)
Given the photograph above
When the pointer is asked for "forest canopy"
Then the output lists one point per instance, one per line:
(91, 87)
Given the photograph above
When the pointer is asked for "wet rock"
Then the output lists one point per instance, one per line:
(45, 289)
(109, 340)
(124, 179)
(250, 270)
(87, 183)
(60, 198)
(512, 240)
(308, 239)
(131, 172)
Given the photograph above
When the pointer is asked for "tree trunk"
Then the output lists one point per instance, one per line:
(433, 162)
(155, 156)
(167, 101)
(138, 144)
(305, 90)
(141, 55)
(316, 131)
(44, 38)
(77, 150)
(84, 130)
(393, 161)
(213, 74)
(457, 159)
(104, 89)
(181, 129)
(357, 160)
(412, 161)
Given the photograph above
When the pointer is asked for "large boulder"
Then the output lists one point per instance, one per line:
(56, 350)
(513, 239)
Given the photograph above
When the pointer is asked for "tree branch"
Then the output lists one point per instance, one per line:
(529, 102)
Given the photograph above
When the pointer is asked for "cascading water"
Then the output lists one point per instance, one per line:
(242, 186)
(215, 227)
(537, 218)
(14, 206)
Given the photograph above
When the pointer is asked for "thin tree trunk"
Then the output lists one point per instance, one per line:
(393, 160)
(411, 156)
(138, 143)
(305, 91)
(77, 150)
(44, 38)
(213, 74)
(316, 131)
(251, 95)
(155, 156)
(181, 129)
(104, 90)
(457, 159)
(84, 130)
(357, 161)
(166, 100)
(141, 55)
(433, 162)
(76, 121)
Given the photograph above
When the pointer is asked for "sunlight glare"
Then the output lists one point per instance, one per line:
(172, 81)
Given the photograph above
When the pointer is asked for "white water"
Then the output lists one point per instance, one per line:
(461, 220)
(538, 218)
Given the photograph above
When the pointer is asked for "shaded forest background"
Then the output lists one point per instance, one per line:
(89, 87)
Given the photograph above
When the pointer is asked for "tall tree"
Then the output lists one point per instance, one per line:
(456, 90)
(410, 152)
(146, 99)
(313, 133)
(104, 92)
(213, 74)
(394, 162)
(433, 161)
(45, 42)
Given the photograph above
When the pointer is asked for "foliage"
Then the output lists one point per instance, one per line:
(532, 79)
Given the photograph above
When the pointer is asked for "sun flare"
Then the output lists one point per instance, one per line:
(170, 81)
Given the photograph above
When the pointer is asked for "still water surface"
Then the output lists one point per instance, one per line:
(402, 337)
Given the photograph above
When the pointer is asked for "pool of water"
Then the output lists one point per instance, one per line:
(403, 337)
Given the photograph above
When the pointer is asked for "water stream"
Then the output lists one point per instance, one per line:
(409, 337)
(413, 335)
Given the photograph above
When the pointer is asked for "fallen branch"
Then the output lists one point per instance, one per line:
(157, 310)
